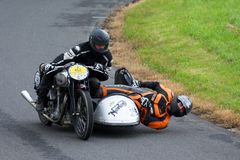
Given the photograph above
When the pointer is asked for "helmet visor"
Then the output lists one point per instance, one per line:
(181, 108)
(100, 46)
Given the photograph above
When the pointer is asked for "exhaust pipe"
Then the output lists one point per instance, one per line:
(28, 98)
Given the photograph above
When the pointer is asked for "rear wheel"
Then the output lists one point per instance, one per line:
(83, 121)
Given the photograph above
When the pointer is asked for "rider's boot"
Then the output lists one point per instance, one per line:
(41, 104)
(42, 92)
(42, 98)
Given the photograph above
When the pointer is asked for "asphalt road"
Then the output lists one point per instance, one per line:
(35, 31)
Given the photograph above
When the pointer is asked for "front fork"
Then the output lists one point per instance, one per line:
(71, 90)
(72, 94)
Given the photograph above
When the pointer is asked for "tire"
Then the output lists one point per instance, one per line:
(44, 120)
(83, 123)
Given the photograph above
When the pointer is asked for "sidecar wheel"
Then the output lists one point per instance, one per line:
(83, 123)
(44, 120)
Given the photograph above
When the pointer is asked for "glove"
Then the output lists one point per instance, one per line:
(48, 67)
(99, 67)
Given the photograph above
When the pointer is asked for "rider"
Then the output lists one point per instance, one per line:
(94, 52)
(155, 106)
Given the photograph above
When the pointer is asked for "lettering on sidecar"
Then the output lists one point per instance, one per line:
(117, 107)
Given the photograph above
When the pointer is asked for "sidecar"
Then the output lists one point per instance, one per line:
(116, 110)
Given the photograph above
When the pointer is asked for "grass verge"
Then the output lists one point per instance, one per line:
(133, 53)
(194, 42)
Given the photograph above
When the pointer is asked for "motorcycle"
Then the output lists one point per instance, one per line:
(69, 101)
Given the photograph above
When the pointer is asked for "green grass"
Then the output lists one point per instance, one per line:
(194, 42)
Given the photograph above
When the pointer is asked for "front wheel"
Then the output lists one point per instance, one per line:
(83, 120)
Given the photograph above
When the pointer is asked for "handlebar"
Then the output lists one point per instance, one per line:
(56, 68)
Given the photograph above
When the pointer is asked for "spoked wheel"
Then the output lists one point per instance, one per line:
(83, 121)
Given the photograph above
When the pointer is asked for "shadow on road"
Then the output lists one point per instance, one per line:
(121, 132)
(100, 131)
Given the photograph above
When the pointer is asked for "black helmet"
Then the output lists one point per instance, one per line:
(176, 109)
(99, 40)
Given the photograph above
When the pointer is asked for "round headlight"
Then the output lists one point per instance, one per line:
(78, 72)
